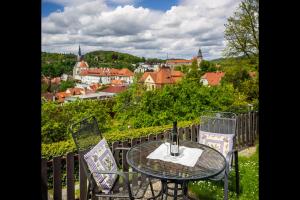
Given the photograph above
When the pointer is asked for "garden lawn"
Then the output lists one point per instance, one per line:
(248, 166)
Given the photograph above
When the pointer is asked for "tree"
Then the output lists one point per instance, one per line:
(206, 66)
(241, 30)
(64, 85)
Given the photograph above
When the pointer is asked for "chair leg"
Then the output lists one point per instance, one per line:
(151, 187)
(237, 174)
(226, 186)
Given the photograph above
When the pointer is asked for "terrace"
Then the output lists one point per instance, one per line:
(247, 136)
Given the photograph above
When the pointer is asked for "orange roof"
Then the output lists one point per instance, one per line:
(114, 89)
(94, 86)
(75, 91)
(163, 76)
(106, 72)
(82, 64)
(60, 95)
(213, 78)
(117, 82)
(177, 61)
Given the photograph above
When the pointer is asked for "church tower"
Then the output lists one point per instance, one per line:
(79, 56)
(79, 66)
(199, 57)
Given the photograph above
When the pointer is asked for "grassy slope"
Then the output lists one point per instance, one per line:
(208, 190)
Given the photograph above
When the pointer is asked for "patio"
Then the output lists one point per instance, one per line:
(247, 134)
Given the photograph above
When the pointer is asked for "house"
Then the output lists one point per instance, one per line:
(48, 96)
(60, 96)
(114, 89)
(96, 95)
(212, 78)
(158, 79)
(75, 91)
(83, 73)
(117, 82)
(177, 62)
(106, 75)
(93, 87)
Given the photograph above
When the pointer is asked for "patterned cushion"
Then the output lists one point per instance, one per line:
(221, 142)
(101, 158)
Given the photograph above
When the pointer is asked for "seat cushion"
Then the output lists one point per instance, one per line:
(221, 142)
(101, 158)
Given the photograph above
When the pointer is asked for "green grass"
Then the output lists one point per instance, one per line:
(248, 166)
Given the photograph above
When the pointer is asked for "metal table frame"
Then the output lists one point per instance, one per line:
(177, 181)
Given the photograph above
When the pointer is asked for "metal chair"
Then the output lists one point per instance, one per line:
(223, 123)
(86, 135)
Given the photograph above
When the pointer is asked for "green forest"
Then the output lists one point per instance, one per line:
(55, 64)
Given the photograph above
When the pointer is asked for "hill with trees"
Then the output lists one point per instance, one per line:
(55, 64)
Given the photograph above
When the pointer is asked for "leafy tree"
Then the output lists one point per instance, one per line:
(241, 30)
(236, 75)
(57, 118)
(64, 85)
(206, 66)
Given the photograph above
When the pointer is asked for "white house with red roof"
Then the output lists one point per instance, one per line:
(87, 75)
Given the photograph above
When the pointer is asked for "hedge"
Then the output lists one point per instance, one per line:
(63, 147)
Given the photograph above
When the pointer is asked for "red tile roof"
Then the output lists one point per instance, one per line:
(213, 78)
(82, 64)
(178, 61)
(163, 76)
(94, 86)
(117, 82)
(75, 91)
(114, 89)
(106, 72)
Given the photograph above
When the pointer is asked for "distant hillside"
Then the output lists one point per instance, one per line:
(112, 59)
(55, 64)
(244, 62)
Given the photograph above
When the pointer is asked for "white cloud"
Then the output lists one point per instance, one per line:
(179, 31)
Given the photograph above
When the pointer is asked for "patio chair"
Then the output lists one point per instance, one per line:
(129, 185)
(218, 130)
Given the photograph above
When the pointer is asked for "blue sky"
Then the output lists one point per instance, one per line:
(163, 5)
(48, 7)
(145, 28)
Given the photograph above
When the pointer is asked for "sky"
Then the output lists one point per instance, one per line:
(145, 28)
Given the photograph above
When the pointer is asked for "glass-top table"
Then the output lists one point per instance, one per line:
(209, 164)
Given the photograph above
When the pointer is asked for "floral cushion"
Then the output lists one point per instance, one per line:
(101, 158)
(221, 142)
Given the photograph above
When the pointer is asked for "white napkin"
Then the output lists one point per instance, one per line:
(188, 156)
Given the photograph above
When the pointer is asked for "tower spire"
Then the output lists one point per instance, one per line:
(200, 54)
(79, 57)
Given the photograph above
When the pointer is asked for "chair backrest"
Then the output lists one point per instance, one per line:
(86, 133)
(218, 122)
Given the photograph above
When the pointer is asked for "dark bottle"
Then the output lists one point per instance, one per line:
(174, 147)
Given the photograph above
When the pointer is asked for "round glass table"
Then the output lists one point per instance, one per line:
(209, 164)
